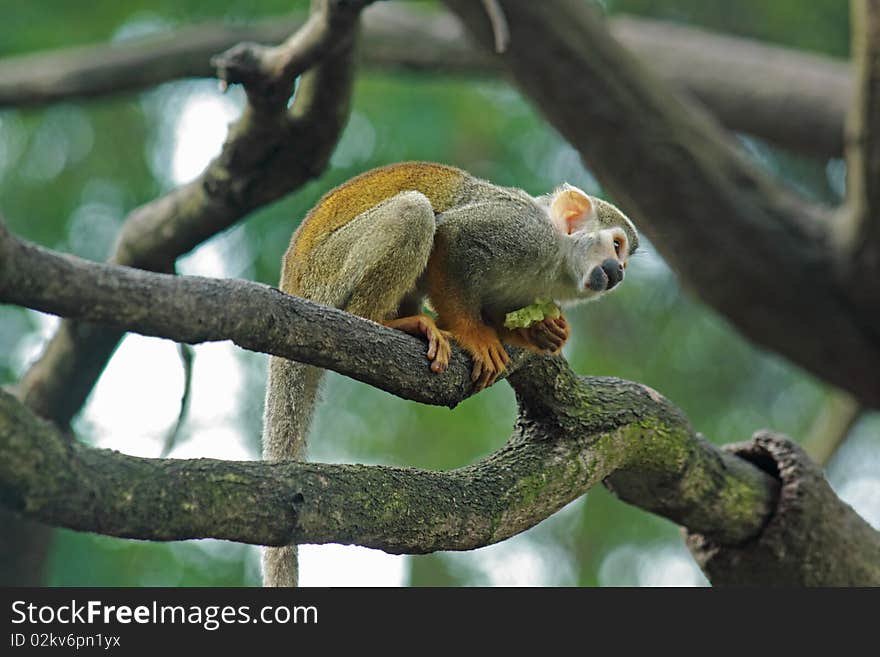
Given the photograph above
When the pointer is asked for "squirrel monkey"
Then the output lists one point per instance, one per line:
(381, 243)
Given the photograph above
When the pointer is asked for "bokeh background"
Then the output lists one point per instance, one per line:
(70, 173)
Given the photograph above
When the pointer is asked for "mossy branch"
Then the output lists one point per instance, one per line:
(549, 461)
(572, 432)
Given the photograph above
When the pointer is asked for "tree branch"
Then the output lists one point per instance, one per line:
(398, 510)
(748, 247)
(269, 73)
(269, 152)
(832, 427)
(794, 99)
(572, 432)
(95, 71)
(859, 223)
(193, 309)
(810, 522)
(567, 440)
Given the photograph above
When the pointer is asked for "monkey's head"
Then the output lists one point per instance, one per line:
(597, 240)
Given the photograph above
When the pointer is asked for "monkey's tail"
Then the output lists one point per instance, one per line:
(291, 394)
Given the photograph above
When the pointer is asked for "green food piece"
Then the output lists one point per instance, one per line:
(537, 312)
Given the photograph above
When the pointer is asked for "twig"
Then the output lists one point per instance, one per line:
(500, 30)
(187, 354)
(268, 73)
(857, 229)
(832, 427)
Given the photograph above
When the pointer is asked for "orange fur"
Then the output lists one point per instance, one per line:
(464, 323)
(439, 183)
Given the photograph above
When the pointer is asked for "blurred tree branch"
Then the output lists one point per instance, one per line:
(832, 426)
(572, 433)
(269, 73)
(793, 99)
(269, 152)
(744, 244)
(858, 228)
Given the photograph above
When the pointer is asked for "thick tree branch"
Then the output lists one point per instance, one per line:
(399, 510)
(567, 439)
(809, 521)
(534, 476)
(572, 433)
(269, 152)
(794, 99)
(749, 248)
(192, 309)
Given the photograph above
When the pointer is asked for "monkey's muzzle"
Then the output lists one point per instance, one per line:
(606, 276)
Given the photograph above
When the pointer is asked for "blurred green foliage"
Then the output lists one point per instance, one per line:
(70, 173)
(818, 25)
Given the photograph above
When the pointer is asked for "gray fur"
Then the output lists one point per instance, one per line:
(609, 215)
(505, 252)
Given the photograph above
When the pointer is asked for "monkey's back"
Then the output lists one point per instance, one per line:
(440, 183)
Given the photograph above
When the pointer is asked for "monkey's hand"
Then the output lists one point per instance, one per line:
(438, 340)
(550, 334)
(545, 337)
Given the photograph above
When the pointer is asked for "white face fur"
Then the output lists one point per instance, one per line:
(596, 241)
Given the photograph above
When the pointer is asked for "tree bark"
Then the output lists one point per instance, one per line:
(543, 467)
(813, 538)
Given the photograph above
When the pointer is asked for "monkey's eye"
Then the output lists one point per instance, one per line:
(617, 247)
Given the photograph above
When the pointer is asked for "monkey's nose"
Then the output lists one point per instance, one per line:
(613, 269)
(598, 280)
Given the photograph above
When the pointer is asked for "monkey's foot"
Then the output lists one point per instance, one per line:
(490, 357)
(546, 337)
(439, 348)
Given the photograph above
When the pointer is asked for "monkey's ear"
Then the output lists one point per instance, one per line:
(570, 209)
